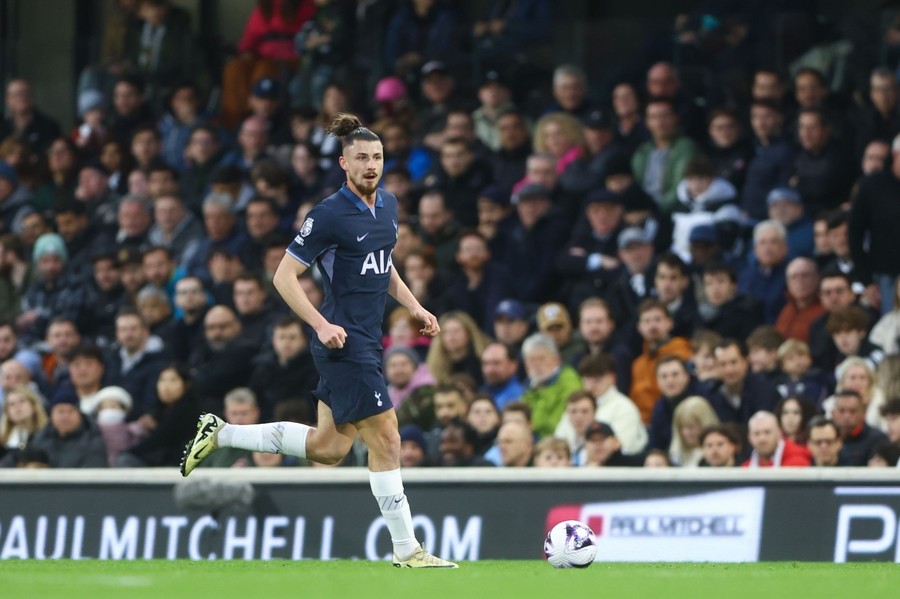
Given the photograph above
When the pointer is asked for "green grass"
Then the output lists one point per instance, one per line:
(362, 580)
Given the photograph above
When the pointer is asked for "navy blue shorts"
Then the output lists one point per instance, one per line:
(352, 385)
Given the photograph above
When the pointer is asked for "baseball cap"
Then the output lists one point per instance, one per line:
(599, 428)
(788, 194)
(531, 190)
(704, 233)
(603, 195)
(493, 77)
(511, 309)
(266, 88)
(598, 119)
(390, 89)
(9, 173)
(552, 314)
(434, 66)
(633, 235)
(495, 194)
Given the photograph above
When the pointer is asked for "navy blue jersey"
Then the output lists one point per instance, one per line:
(351, 244)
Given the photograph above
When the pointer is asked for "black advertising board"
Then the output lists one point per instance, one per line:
(635, 519)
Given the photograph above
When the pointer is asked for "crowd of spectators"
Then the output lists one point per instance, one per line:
(637, 277)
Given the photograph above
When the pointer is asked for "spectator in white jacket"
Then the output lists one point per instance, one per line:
(598, 374)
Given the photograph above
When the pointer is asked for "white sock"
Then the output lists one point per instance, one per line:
(387, 487)
(288, 438)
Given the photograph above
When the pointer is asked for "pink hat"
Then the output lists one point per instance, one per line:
(389, 89)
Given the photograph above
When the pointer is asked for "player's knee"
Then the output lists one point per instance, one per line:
(335, 452)
(388, 443)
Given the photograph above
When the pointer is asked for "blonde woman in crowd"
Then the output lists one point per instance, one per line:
(691, 416)
(457, 348)
(23, 415)
(560, 135)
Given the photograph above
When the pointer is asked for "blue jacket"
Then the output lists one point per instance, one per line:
(664, 412)
(768, 287)
(434, 36)
(502, 395)
(771, 166)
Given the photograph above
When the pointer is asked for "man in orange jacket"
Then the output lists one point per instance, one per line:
(655, 326)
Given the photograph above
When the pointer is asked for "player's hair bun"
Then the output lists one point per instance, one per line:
(344, 124)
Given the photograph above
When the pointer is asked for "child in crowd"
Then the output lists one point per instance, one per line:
(552, 452)
(762, 348)
(703, 363)
(798, 377)
(849, 329)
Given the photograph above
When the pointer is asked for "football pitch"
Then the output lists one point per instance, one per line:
(276, 579)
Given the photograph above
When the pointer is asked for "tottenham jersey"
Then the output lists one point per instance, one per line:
(351, 244)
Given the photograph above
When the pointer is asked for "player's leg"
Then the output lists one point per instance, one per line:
(326, 443)
(329, 443)
(383, 440)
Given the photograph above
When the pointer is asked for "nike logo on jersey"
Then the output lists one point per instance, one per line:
(361, 237)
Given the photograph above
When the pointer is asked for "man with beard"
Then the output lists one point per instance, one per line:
(56, 351)
(224, 362)
(457, 446)
(355, 253)
(191, 300)
(460, 175)
(720, 446)
(655, 326)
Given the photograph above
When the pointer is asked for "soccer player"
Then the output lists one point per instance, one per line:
(350, 236)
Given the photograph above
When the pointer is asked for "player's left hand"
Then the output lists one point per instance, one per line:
(430, 326)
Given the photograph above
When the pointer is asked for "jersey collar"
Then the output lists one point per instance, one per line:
(357, 201)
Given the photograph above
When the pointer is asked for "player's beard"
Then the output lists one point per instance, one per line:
(366, 186)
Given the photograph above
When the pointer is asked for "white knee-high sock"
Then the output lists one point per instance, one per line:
(288, 438)
(387, 487)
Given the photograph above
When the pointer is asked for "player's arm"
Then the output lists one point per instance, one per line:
(287, 283)
(400, 292)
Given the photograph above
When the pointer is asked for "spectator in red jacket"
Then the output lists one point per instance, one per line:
(266, 46)
(770, 448)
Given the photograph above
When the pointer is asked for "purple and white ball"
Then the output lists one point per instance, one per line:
(570, 544)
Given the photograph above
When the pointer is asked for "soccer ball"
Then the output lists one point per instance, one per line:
(570, 544)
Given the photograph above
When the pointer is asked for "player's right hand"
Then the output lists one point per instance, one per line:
(332, 336)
